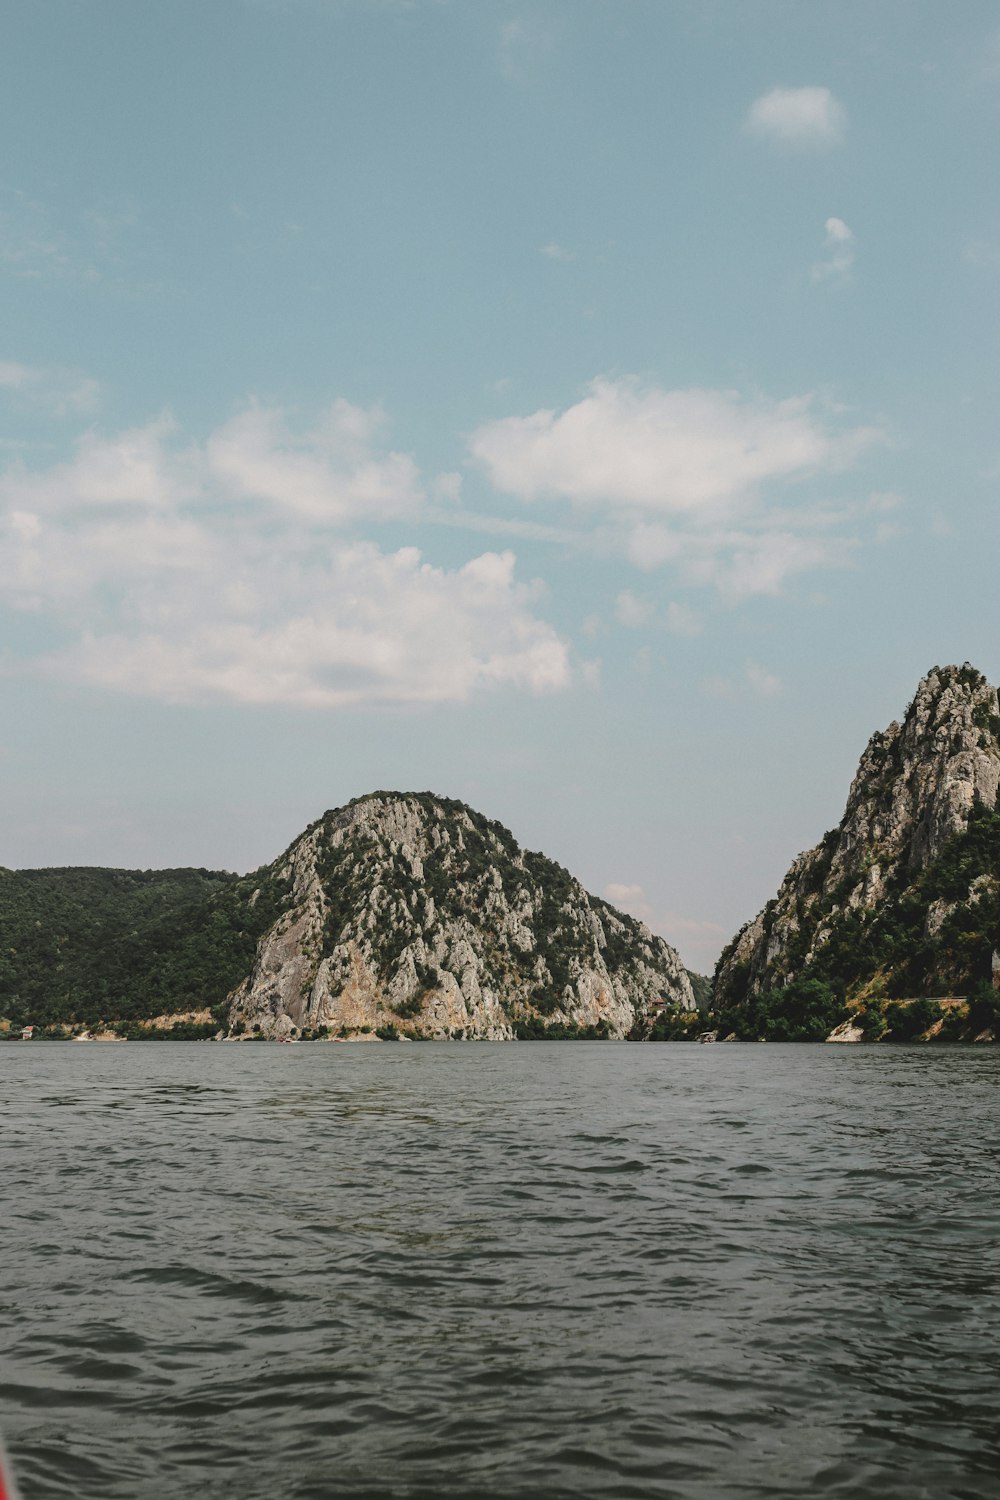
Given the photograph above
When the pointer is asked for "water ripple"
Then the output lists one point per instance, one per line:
(660, 1273)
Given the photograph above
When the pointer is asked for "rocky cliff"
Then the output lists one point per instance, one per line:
(411, 914)
(902, 898)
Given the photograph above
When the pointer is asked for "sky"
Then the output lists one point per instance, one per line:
(587, 409)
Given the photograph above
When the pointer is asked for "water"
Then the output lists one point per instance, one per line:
(557, 1270)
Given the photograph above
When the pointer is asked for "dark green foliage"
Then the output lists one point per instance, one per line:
(872, 1020)
(676, 1026)
(547, 1001)
(407, 1009)
(969, 676)
(731, 982)
(622, 932)
(806, 1010)
(984, 718)
(558, 937)
(819, 869)
(891, 939)
(702, 987)
(85, 945)
(181, 1031)
(984, 1009)
(534, 1029)
(912, 1019)
(333, 866)
(386, 1033)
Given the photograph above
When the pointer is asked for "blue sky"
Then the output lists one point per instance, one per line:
(585, 409)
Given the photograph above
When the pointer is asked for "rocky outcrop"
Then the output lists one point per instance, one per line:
(411, 914)
(909, 875)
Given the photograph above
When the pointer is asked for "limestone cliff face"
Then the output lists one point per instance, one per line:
(413, 911)
(917, 788)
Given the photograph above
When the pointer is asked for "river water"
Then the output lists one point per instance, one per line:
(511, 1270)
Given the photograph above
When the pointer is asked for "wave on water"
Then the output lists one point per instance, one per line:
(562, 1270)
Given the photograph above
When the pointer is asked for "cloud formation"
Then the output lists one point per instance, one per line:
(226, 571)
(331, 473)
(632, 610)
(630, 898)
(802, 117)
(666, 452)
(838, 252)
(699, 479)
(58, 391)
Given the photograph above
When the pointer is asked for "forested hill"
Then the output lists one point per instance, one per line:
(399, 914)
(89, 945)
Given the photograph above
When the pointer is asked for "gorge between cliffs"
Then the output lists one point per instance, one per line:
(412, 916)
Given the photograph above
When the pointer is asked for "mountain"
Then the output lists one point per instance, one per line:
(403, 914)
(413, 914)
(902, 899)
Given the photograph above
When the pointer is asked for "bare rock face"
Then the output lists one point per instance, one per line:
(918, 786)
(413, 912)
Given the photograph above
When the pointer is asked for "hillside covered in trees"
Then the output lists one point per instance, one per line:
(398, 915)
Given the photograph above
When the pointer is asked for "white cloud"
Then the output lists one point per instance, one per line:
(669, 452)
(14, 376)
(329, 473)
(632, 611)
(838, 252)
(201, 572)
(133, 468)
(630, 898)
(379, 628)
(805, 117)
(742, 564)
(59, 391)
(685, 476)
(554, 251)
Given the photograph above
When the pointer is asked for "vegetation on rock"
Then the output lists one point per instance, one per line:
(397, 915)
(901, 901)
(414, 912)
